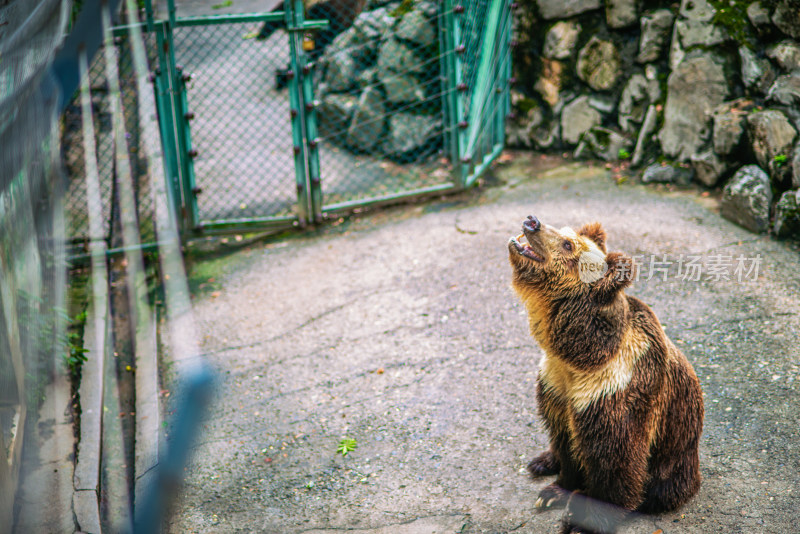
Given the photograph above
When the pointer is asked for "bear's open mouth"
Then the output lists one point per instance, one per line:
(523, 248)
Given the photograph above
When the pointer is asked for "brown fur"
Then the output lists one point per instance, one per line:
(621, 404)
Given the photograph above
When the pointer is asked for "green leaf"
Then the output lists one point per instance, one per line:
(346, 445)
(224, 3)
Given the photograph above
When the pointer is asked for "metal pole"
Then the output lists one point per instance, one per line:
(295, 101)
(161, 81)
(310, 119)
(455, 54)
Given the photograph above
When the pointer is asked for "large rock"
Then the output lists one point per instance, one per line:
(362, 39)
(787, 215)
(709, 168)
(603, 143)
(519, 133)
(786, 54)
(746, 199)
(787, 17)
(758, 14)
(578, 117)
(562, 9)
(622, 13)
(409, 134)
(655, 32)
(402, 88)
(645, 137)
(697, 33)
(637, 95)
(694, 28)
(559, 43)
(757, 73)
(697, 10)
(398, 67)
(396, 56)
(786, 90)
(416, 28)
(796, 167)
(373, 24)
(676, 51)
(550, 81)
(335, 112)
(695, 87)
(599, 64)
(367, 127)
(667, 174)
(547, 135)
(340, 71)
(729, 123)
(771, 137)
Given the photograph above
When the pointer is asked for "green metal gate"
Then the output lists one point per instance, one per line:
(419, 113)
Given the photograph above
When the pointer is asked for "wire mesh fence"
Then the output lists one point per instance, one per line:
(74, 159)
(380, 93)
(329, 106)
(240, 122)
(324, 107)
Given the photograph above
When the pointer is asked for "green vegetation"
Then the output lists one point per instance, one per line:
(406, 6)
(76, 354)
(623, 154)
(346, 445)
(732, 15)
(224, 3)
(780, 159)
(525, 105)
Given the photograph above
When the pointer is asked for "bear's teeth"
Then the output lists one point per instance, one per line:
(521, 239)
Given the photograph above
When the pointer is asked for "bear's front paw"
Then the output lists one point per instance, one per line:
(552, 496)
(621, 267)
(544, 465)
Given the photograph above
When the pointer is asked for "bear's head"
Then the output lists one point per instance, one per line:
(551, 263)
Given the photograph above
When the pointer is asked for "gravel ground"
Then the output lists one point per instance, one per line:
(399, 329)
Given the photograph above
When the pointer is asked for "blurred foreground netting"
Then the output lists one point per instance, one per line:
(80, 416)
(33, 316)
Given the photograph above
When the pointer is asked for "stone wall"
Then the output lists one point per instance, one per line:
(704, 91)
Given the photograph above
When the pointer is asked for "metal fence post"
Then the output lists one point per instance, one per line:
(161, 80)
(310, 117)
(179, 112)
(182, 117)
(295, 101)
(456, 89)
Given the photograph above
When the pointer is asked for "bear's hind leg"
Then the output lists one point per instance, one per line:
(545, 464)
(667, 494)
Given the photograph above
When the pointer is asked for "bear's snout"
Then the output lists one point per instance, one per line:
(532, 224)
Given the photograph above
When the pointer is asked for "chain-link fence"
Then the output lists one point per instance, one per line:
(380, 94)
(287, 116)
(74, 161)
(241, 134)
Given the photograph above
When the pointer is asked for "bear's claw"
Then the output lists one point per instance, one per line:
(552, 496)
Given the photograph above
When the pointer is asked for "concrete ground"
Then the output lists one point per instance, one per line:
(398, 329)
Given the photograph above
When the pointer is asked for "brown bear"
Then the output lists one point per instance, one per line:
(621, 404)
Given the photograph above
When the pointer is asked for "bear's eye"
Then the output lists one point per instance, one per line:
(567, 246)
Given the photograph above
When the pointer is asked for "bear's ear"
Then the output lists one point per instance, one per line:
(595, 232)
